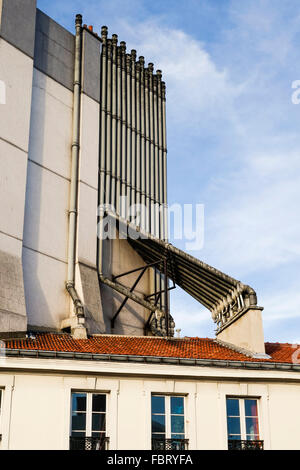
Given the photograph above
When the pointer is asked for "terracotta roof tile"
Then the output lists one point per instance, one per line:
(195, 348)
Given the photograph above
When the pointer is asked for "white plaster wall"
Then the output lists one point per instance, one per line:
(47, 203)
(87, 224)
(46, 213)
(16, 72)
(47, 300)
(51, 124)
(88, 180)
(13, 167)
(36, 407)
(284, 416)
(89, 141)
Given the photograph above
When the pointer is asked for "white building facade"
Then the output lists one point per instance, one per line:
(88, 359)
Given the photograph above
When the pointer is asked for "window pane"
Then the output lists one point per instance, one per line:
(177, 436)
(98, 422)
(177, 424)
(177, 406)
(158, 423)
(233, 408)
(252, 426)
(233, 426)
(158, 404)
(78, 421)
(251, 408)
(252, 437)
(79, 401)
(99, 402)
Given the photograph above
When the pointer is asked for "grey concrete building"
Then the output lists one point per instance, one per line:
(82, 141)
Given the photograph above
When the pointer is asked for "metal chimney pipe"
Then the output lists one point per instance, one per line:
(133, 128)
(155, 160)
(108, 124)
(73, 207)
(124, 126)
(151, 156)
(103, 124)
(129, 144)
(114, 121)
(147, 152)
(138, 138)
(143, 143)
(119, 131)
(160, 156)
(164, 140)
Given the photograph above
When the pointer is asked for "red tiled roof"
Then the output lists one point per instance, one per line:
(193, 348)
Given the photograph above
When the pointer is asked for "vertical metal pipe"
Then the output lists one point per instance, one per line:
(160, 174)
(163, 90)
(160, 156)
(119, 130)
(124, 127)
(114, 120)
(103, 124)
(108, 125)
(147, 152)
(138, 137)
(133, 128)
(128, 120)
(151, 162)
(73, 207)
(143, 167)
(155, 154)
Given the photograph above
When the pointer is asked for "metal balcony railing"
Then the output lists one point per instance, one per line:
(89, 443)
(170, 444)
(234, 444)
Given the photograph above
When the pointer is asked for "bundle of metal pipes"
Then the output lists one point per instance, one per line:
(133, 153)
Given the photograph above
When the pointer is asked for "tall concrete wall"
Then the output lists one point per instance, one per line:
(17, 26)
(43, 240)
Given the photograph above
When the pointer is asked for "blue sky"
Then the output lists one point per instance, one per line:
(233, 135)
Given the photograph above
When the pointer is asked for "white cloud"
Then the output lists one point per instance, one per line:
(195, 85)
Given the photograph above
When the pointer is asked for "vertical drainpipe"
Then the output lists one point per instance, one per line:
(156, 176)
(160, 156)
(133, 128)
(138, 137)
(160, 175)
(143, 176)
(102, 179)
(114, 120)
(124, 127)
(128, 120)
(119, 131)
(147, 152)
(164, 144)
(155, 149)
(108, 125)
(151, 159)
(79, 329)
